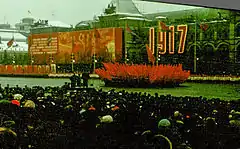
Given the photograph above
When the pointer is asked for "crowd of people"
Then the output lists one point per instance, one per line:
(84, 118)
(78, 67)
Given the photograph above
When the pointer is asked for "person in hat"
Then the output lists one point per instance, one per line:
(234, 118)
(85, 77)
(73, 80)
(78, 80)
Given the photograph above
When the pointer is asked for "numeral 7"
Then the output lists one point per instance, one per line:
(183, 35)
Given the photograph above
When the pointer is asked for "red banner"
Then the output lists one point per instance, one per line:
(77, 45)
(42, 47)
(27, 69)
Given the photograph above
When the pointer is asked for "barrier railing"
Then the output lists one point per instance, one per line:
(25, 69)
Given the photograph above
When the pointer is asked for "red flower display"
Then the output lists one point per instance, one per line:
(152, 75)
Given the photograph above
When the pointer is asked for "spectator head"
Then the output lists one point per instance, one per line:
(17, 97)
(106, 119)
(164, 123)
(29, 104)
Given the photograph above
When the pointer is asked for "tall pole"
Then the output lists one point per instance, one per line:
(195, 48)
(30, 45)
(94, 55)
(72, 57)
(72, 54)
(94, 48)
(125, 40)
(158, 32)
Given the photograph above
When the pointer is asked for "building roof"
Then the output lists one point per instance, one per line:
(5, 35)
(58, 24)
(54, 24)
(8, 30)
(84, 23)
(126, 7)
(134, 18)
(202, 13)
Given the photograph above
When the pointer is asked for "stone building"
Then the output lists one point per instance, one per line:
(25, 24)
(48, 26)
(219, 44)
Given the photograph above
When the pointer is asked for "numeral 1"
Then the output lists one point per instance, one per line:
(171, 39)
(151, 39)
(162, 42)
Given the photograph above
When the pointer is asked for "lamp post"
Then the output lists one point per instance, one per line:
(94, 62)
(159, 29)
(73, 61)
(195, 48)
(13, 60)
(32, 61)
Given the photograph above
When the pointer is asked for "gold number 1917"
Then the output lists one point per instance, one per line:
(162, 39)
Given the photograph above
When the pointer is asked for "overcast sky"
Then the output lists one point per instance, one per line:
(69, 11)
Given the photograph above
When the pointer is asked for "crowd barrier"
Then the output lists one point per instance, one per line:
(25, 69)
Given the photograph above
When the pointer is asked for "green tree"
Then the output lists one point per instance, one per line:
(137, 50)
(5, 57)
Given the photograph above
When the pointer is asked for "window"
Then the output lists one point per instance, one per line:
(222, 31)
(238, 54)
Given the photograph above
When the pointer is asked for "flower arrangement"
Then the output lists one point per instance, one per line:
(142, 75)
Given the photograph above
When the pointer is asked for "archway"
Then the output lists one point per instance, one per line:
(238, 54)
(237, 30)
(205, 59)
(221, 55)
(188, 61)
(207, 53)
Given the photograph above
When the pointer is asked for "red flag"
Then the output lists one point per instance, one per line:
(10, 42)
(128, 29)
(150, 55)
(204, 27)
(96, 33)
(164, 26)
